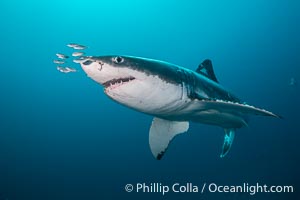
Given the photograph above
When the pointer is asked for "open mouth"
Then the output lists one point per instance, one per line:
(117, 82)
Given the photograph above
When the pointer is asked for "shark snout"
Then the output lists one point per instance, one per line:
(89, 65)
(97, 70)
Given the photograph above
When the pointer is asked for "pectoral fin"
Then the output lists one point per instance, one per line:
(162, 132)
(228, 139)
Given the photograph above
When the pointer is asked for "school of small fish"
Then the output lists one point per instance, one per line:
(61, 59)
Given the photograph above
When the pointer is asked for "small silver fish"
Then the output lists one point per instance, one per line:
(76, 54)
(76, 46)
(71, 45)
(71, 69)
(58, 61)
(65, 69)
(62, 56)
(79, 47)
(78, 61)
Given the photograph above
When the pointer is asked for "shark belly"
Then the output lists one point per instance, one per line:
(154, 96)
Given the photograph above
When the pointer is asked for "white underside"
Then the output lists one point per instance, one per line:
(169, 101)
(149, 95)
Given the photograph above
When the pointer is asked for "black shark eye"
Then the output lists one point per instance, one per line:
(118, 60)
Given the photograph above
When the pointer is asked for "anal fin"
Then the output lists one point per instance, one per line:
(228, 140)
(161, 134)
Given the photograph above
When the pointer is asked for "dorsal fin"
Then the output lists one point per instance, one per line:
(206, 69)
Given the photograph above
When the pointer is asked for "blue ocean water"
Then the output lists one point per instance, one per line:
(61, 138)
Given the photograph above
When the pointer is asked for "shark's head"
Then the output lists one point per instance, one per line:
(140, 83)
(109, 71)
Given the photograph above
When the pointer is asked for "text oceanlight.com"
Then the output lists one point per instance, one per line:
(251, 189)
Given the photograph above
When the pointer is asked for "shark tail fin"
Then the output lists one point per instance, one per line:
(228, 140)
(162, 133)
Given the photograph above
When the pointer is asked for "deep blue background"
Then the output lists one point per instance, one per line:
(61, 138)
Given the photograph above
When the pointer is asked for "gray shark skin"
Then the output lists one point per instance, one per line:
(174, 95)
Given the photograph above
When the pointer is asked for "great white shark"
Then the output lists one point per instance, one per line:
(174, 95)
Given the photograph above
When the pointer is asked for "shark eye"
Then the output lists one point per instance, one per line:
(118, 59)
